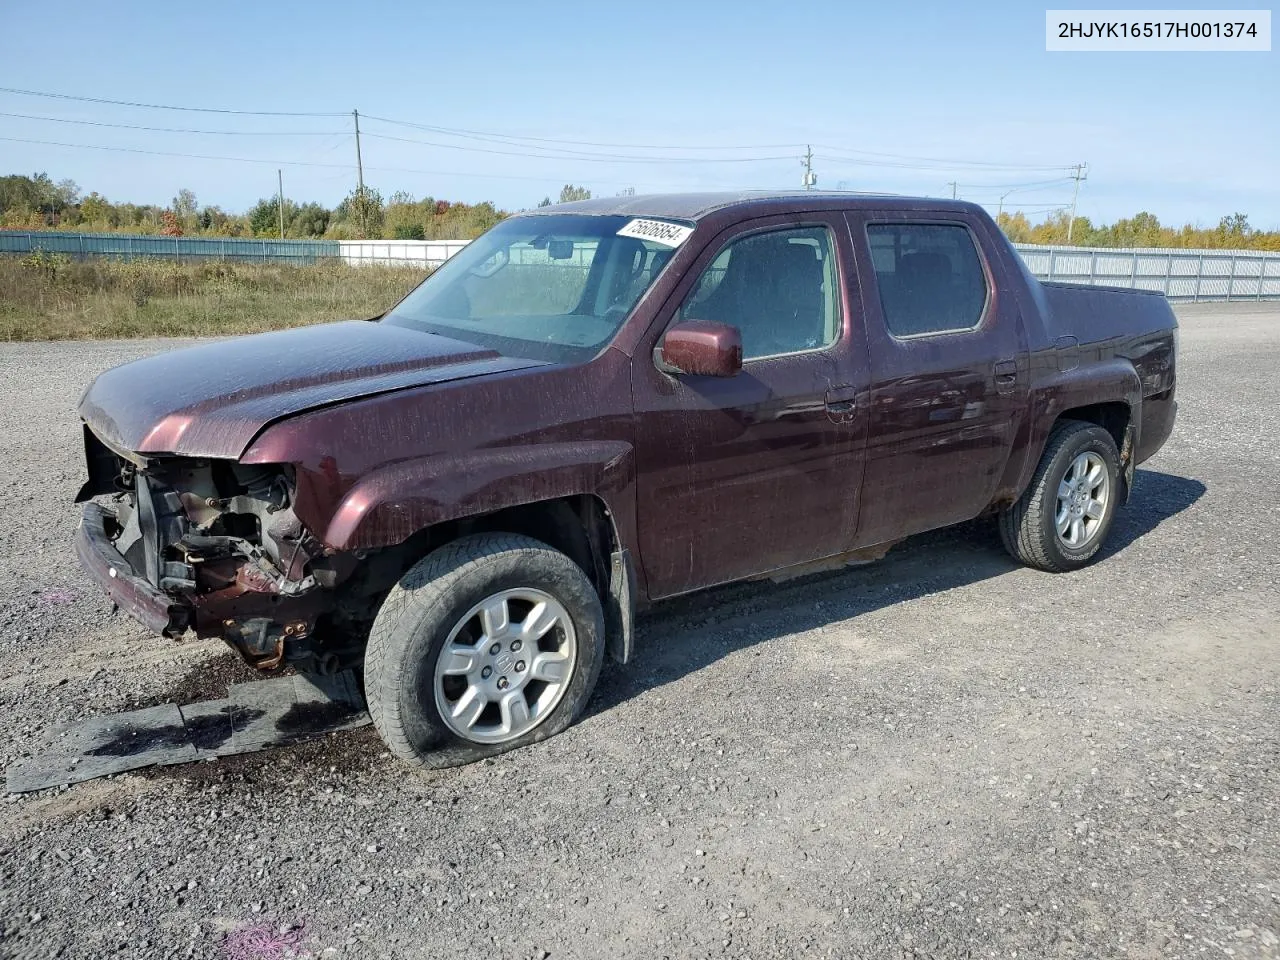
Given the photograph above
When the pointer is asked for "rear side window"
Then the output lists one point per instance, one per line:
(929, 277)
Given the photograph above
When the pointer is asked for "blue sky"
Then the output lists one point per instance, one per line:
(1188, 136)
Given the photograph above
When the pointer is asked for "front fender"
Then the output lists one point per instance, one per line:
(393, 502)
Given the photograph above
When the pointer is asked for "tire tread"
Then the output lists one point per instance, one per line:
(1021, 524)
(429, 582)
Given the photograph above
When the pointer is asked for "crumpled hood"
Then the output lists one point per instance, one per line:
(211, 400)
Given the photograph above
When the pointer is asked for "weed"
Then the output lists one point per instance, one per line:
(48, 296)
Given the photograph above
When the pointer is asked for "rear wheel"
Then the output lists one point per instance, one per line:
(1063, 517)
(491, 642)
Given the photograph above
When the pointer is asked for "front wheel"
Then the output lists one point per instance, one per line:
(489, 643)
(1063, 517)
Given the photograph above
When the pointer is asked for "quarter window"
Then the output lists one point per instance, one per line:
(778, 288)
(929, 277)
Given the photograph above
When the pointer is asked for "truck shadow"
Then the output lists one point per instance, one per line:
(684, 635)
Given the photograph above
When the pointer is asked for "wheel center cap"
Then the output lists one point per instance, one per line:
(505, 661)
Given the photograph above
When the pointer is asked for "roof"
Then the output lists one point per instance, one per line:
(694, 206)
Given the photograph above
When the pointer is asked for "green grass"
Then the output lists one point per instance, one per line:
(48, 297)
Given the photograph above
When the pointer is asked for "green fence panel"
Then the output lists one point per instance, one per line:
(123, 246)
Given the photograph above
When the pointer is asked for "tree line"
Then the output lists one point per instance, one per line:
(1141, 230)
(37, 202)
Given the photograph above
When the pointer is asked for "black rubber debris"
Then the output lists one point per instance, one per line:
(254, 716)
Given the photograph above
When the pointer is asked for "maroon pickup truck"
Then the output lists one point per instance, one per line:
(598, 405)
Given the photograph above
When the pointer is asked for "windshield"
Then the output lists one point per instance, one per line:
(553, 287)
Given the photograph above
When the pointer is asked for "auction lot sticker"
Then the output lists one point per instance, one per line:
(659, 231)
(1156, 30)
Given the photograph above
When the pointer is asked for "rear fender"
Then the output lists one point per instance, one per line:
(1109, 381)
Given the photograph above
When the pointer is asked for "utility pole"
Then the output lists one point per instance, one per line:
(280, 184)
(360, 198)
(1000, 208)
(359, 162)
(810, 178)
(1080, 174)
(952, 184)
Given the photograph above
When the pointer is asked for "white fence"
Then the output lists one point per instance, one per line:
(1178, 274)
(417, 253)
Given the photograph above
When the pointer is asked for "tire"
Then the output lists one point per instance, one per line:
(1030, 528)
(430, 648)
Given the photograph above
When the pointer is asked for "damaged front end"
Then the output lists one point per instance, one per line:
(212, 546)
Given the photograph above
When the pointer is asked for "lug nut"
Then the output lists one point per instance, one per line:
(487, 672)
(520, 666)
(516, 645)
(502, 683)
(495, 649)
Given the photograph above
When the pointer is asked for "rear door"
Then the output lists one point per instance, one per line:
(949, 371)
(747, 474)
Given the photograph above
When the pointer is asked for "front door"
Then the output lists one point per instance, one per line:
(748, 474)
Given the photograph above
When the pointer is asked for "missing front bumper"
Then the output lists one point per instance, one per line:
(155, 610)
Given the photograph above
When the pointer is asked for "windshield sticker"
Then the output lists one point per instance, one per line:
(659, 231)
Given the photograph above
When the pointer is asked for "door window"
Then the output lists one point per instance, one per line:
(778, 288)
(929, 277)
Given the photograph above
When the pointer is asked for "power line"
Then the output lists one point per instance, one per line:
(1028, 196)
(167, 153)
(1015, 186)
(1036, 210)
(512, 139)
(134, 126)
(591, 157)
(840, 155)
(340, 140)
(161, 106)
(298, 163)
(926, 163)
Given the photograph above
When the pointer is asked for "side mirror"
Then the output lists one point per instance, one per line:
(701, 347)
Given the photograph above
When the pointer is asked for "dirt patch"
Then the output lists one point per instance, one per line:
(208, 680)
(348, 751)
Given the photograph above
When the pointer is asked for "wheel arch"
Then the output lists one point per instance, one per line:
(1108, 394)
(581, 526)
(1114, 416)
(578, 497)
(396, 501)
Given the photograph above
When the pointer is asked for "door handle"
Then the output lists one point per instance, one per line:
(1006, 375)
(842, 402)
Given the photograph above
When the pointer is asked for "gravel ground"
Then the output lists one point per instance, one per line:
(942, 755)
